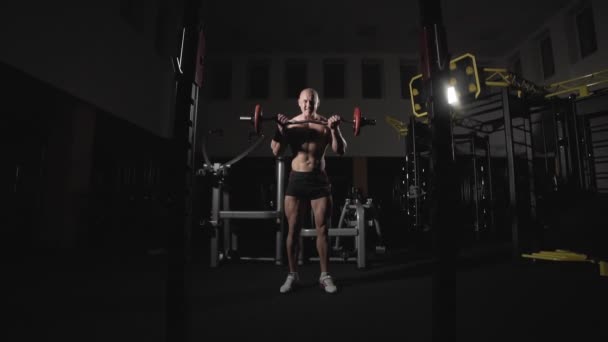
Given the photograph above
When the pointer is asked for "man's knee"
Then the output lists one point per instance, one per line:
(321, 230)
(293, 232)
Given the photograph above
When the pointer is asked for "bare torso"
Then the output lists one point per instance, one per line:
(308, 143)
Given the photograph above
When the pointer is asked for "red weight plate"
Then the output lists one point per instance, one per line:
(357, 121)
(257, 118)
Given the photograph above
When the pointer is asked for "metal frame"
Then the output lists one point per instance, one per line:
(482, 177)
(471, 118)
(369, 205)
(221, 218)
(592, 115)
(415, 181)
(358, 232)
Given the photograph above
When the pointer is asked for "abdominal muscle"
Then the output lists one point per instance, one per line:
(306, 162)
(309, 155)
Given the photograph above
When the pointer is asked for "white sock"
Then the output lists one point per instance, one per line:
(323, 274)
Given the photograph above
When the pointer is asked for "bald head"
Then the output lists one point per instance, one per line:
(312, 92)
(308, 101)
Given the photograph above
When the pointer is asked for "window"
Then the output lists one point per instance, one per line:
(295, 77)
(407, 70)
(371, 79)
(333, 78)
(219, 79)
(259, 79)
(546, 54)
(586, 31)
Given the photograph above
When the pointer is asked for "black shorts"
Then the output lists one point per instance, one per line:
(308, 185)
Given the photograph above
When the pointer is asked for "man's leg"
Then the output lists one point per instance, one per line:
(294, 217)
(293, 213)
(322, 209)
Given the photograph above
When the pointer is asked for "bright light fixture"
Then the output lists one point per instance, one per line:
(452, 96)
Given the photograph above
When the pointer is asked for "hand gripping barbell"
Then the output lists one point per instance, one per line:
(357, 122)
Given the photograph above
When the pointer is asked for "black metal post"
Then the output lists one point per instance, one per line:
(415, 161)
(575, 147)
(476, 195)
(561, 137)
(588, 167)
(513, 214)
(490, 184)
(545, 150)
(435, 65)
(181, 172)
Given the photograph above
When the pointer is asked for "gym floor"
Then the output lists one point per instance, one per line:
(56, 297)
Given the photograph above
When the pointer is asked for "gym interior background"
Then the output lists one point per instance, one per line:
(88, 120)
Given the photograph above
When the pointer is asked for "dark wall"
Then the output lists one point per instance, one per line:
(112, 54)
(48, 139)
(131, 190)
(24, 143)
(74, 176)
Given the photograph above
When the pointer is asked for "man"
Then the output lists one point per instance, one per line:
(308, 182)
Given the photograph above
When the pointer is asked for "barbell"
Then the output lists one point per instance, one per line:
(257, 118)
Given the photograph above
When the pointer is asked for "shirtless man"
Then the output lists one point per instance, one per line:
(308, 181)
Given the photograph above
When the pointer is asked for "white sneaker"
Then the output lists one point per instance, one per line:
(327, 284)
(290, 283)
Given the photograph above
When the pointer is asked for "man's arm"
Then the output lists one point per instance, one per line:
(338, 143)
(279, 141)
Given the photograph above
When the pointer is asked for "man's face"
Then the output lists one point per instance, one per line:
(307, 102)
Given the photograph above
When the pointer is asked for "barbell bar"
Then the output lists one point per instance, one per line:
(358, 120)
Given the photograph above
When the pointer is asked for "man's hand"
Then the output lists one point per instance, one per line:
(334, 121)
(281, 122)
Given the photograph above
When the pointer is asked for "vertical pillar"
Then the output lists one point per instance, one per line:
(512, 210)
(476, 181)
(280, 169)
(179, 161)
(575, 145)
(444, 222)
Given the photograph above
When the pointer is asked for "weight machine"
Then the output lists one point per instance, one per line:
(221, 213)
(348, 220)
(356, 228)
(354, 212)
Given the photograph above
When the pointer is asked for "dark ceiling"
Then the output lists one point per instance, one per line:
(487, 28)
